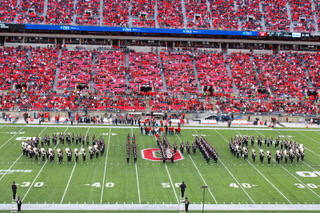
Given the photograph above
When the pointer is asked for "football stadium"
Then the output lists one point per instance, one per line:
(159, 106)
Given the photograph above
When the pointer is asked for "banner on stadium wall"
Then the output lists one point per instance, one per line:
(139, 30)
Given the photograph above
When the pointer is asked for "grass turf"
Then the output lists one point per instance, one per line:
(109, 179)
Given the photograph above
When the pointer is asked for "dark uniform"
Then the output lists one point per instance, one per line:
(186, 204)
(19, 203)
(183, 188)
(14, 190)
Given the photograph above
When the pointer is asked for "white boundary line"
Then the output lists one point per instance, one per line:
(105, 167)
(294, 176)
(137, 176)
(75, 164)
(17, 159)
(233, 176)
(201, 176)
(12, 137)
(263, 175)
(39, 172)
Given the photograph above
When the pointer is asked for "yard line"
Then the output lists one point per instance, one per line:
(232, 174)
(75, 164)
(12, 137)
(307, 136)
(264, 176)
(175, 193)
(39, 172)
(201, 176)
(137, 176)
(105, 167)
(18, 159)
(293, 175)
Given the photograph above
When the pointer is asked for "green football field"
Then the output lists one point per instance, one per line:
(110, 180)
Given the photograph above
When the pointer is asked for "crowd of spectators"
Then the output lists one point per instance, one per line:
(75, 68)
(60, 12)
(88, 12)
(197, 14)
(179, 72)
(243, 73)
(278, 106)
(30, 12)
(302, 16)
(144, 69)
(275, 15)
(213, 72)
(284, 74)
(249, 14)
(313, 66)
(115, 13)
(8, 11)
(110, 71)
(170, 14)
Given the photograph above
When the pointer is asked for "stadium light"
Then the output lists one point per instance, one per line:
(204, 190)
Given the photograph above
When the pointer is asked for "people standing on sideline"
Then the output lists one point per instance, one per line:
(183, 188)
(14, 190)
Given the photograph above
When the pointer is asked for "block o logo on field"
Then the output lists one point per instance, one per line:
(150, 154)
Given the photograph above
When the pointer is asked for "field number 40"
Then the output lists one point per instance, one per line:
(108, 185)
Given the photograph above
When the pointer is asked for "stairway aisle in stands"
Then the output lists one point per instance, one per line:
(16, 17)
(306, 72)
(236, 10)
(128, 70)
(156, 14)
(289, 16)
(196, 75)
(93, 72)
(208, 9)
(235, 89)
(74, 18)
(101, 13)
(315, 18)
(263, 22)
(45, 8)
(185, 22)
(165, 88)
(57, 71)
(130, 15)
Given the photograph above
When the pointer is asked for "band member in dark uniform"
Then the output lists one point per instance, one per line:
(77, 139)
(186, 204)
(135, 156)
(188, 147)
(269, 156)
(194, 147)
(172, 158)
(252, 141)
(91, 152)
(128, 157)
(181, 147)
(76, 154)
(261, 155)
(19, 203)
(14, 190)
(175, 147)
(60, 155)
(69, 155)
(183, 188)
(254, 155)
(84, 154)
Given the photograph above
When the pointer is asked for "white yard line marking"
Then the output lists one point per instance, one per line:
(175, 193)
(232, 175)
(39, 173)
(18, 159)
(263, 175)
(293, 175)
(201, 176)
(105, 167)
(307, 137)
(75, 164)
(137, 176)
(12, 137)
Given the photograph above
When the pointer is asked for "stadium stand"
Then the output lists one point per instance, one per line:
(60, 12)
(170, 14)
(31, 12)
(224, 15)
(115, 13)
(197, 14)
(8, 11)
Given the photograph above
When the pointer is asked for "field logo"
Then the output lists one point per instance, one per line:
(153, 155)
